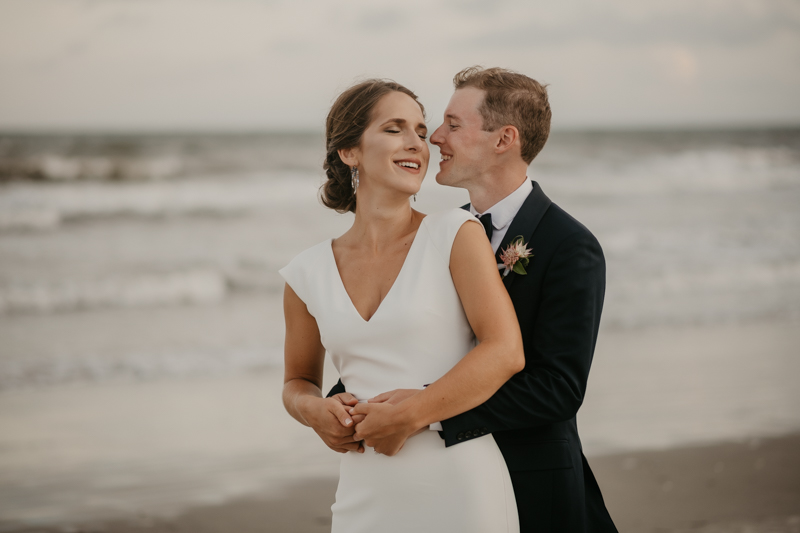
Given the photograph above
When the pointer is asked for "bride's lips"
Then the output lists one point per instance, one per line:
(409, 165)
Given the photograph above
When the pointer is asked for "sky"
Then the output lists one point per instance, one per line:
(154, 65)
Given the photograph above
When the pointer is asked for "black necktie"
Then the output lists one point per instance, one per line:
(486, 220)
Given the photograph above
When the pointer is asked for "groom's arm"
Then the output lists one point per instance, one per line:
(558, 352)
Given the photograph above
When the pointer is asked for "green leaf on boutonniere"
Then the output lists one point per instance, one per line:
(519, 268)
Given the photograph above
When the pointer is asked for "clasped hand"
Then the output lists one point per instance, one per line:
(331, 420)
(385, 426)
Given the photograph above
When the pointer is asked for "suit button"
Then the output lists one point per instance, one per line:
(484, 431)
(460, 436)
(468, 434)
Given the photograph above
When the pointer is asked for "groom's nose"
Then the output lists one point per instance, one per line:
(436, 137)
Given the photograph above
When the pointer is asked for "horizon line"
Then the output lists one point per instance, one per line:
(226, 131)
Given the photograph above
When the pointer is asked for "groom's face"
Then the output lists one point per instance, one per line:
(466, 150)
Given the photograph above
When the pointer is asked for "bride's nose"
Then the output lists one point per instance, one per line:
(415, 144)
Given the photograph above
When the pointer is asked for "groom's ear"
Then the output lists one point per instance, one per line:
(348, 157)
(508, 137)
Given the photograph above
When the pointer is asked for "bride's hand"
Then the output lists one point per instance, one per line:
(394, 396)
(330, 419)
(385, 428)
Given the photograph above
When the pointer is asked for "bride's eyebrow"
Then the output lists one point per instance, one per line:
(398, 121)
(402, 121)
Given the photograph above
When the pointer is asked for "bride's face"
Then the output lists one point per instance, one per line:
(393, 152)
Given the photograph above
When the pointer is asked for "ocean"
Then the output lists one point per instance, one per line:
(102, 234)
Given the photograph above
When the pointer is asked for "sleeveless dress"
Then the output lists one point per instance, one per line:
(416, 335)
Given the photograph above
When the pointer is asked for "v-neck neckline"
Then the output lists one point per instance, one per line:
(394, 283)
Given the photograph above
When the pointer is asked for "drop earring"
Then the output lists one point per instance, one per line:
(354, 179)
(415, 197)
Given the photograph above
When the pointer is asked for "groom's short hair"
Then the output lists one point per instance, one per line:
(511, 99)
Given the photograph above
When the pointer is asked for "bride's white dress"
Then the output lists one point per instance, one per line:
(417, 334)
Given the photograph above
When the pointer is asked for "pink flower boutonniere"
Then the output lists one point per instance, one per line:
(516, 257)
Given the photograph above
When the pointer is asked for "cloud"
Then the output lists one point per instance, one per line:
(382, 19)
(699, 23)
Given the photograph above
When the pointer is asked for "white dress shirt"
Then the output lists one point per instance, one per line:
(503, 212)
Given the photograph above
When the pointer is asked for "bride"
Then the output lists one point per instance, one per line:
(399, 301)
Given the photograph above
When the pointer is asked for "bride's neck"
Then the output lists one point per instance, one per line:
(382, 220)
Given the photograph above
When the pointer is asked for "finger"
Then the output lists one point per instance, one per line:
(382, 397)
(339, 432)
(361, 409)
(341, 441)
(357, 419)
(340, 412)
(346, 398)
(352, 447)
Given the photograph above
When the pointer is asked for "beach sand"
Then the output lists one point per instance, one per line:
(687, 429)
(733, 487)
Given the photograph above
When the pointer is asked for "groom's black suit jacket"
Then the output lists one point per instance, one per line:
(532, 417)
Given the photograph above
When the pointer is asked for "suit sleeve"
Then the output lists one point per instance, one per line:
(559, 344)
(339, 387)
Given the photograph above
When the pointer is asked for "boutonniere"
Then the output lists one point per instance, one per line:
(516, 256)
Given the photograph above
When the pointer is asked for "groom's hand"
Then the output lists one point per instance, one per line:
(384, 428)
(333, 423)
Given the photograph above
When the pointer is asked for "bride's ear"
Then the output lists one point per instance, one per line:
(348, 157)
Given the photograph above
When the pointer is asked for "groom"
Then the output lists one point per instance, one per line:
(497, 121)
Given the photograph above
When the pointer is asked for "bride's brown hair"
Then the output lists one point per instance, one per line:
(347, 120)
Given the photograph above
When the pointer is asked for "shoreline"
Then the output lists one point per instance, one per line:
(751, 486)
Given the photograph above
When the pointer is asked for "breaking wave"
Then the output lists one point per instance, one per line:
(47, 206)
(186, 287)
(136, 365)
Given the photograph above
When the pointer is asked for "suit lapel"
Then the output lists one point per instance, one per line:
(525, 222)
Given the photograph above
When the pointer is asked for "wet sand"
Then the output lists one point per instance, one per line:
(733, 487)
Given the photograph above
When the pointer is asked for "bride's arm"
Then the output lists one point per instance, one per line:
(497, 357)
(304, 357)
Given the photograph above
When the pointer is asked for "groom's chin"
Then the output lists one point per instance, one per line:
(441, 179)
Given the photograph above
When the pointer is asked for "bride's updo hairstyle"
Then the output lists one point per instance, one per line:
(347, 120)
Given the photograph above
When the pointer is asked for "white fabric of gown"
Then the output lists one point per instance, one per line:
(417, 334)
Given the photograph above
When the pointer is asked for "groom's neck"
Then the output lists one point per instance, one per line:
(494, 188)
